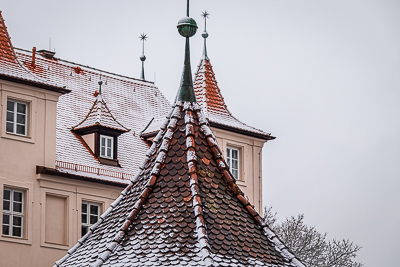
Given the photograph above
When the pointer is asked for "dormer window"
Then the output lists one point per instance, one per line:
(102, 142)
(106, 147)
(99, 131)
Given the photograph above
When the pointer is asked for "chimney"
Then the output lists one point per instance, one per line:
(47, 54)
(33, 57)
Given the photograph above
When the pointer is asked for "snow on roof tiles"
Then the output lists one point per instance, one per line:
(182, 209)
(11, 67)
(100, 114)
(131, 102)
(209, 97)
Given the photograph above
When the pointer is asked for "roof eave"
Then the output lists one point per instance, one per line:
(35, 84)
(265, 137)
(55, 172)
(96, 127)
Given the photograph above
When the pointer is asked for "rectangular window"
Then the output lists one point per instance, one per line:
(106, 147)
(13, 212)
(90, 215)
(16, 117)
(232, 159)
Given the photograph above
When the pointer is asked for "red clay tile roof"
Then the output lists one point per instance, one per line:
(182, 209)
(131, 102)
(209, 97)
(11, 68)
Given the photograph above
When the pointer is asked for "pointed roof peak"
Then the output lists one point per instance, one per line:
(100, 115)
(7, 49)
(207, 91)
(183, 208)
(210, 98)
(187, 27)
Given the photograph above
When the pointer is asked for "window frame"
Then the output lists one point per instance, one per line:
(106, 138)
(88, 214)
(11, 213)
(229, 160)
(15, 117)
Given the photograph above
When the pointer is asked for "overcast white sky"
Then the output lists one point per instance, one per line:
(321, 76)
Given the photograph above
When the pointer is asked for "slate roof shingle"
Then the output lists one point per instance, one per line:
(182, 209)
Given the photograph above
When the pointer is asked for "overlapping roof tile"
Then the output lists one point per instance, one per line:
(209, 97)
(100, 114)
(11, 68)
(182, 209)
(131, 102)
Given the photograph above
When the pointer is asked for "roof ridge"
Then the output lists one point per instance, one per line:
(185, 127)
(138, 205)
(99, 100)
(231, 182)
(210, 98)
(92, 68)
(167, 133)
(202, 236)
(209, 76)
(7, 36)
(14, 59)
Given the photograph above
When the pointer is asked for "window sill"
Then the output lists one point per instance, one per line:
(18, 137)
(15, 240)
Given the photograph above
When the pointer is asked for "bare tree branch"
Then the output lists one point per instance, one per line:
(311, 246)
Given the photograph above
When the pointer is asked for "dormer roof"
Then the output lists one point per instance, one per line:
(209, 97)
(182, 209)
(100, 115)
(11, 68)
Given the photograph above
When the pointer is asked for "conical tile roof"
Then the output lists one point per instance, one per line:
(209, 97)
(182, 209)
(100, 114)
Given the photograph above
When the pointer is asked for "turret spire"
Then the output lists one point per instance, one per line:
(187, 27)
(143, 38)
(205, 15)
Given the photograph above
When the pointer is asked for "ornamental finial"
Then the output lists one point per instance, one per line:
(187, 27)
(100, 83)
(205, 15)
(143, 38)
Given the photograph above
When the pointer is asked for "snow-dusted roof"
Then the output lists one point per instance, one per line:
(100, 114)
(209, 97)
(182, 209)
(12, 69)
(132, 103)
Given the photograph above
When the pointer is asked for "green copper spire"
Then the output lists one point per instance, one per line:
(187, 27)
(205, 15)
(143, 38)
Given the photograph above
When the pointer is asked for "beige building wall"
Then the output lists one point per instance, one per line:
(250, 162)
(51, 205)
